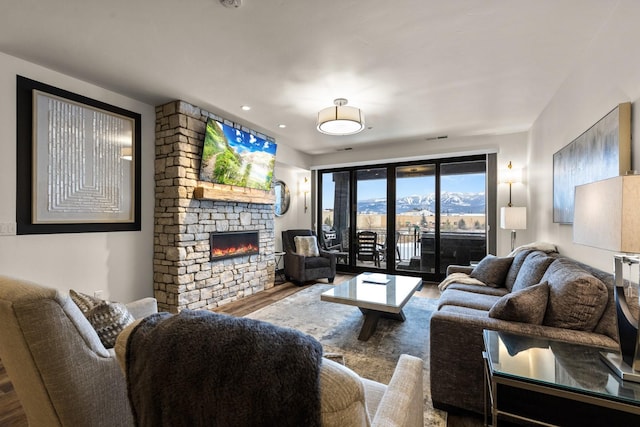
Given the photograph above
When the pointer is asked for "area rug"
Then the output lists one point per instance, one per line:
(336, 326)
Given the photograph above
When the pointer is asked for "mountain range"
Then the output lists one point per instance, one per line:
(451, 203)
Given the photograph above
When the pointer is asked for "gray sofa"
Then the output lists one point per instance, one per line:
(534, 293)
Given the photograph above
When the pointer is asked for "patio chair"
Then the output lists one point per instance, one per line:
(368, 248)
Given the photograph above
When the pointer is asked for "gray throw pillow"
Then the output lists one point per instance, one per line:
(577, 299)
(532, 270)
(512, 274)
(527, 305)
(492, 270)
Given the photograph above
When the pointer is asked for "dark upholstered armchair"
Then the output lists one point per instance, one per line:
(300, 264)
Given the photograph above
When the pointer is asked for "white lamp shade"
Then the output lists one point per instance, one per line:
(606, 214)
(513, 218)
(340, 120)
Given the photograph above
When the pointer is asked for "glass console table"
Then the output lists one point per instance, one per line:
(548, 382)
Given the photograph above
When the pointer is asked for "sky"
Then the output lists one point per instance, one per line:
(372, 189)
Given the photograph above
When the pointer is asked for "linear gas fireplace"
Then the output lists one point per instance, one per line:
(233, 244)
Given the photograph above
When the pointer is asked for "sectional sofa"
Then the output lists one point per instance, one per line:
(537, 293)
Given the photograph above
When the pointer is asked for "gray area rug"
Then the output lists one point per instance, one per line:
(336, 326)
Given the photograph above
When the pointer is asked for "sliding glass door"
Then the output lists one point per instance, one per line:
(415, 218)
(463, 236)
(370, 236)
(335, 214)
(412, 218)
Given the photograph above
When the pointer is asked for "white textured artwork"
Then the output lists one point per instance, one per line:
(82, 163)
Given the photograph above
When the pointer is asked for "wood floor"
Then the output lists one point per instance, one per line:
(12, 415)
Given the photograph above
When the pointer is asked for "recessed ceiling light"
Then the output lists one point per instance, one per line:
(245, 108)
(281, 126)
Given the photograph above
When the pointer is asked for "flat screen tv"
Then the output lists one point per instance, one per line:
(235, 157)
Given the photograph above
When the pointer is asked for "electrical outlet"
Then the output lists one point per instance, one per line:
(7, 228)
(98, 293)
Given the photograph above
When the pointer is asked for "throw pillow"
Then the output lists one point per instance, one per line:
(527, 305)
(518, 260)
(84, 302)
(492, 270)
(107, 318)
(532, 270)
(577, 299)
(306, 245)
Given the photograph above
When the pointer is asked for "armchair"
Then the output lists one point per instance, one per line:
(61, 372)
(301, 266)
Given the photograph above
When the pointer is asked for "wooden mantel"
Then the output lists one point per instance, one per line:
(230, 193)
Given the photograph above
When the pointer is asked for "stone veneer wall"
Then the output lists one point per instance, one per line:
(183, 275)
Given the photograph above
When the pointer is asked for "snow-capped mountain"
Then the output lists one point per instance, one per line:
(452, 203)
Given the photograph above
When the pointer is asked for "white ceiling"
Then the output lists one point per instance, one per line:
(417, 68)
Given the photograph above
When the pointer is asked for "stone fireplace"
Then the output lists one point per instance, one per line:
(187, 217)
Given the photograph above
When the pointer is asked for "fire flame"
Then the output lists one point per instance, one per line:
(234, 250)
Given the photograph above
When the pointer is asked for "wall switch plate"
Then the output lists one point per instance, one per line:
(7, 228)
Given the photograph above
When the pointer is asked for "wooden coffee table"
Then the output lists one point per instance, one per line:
(375, 300)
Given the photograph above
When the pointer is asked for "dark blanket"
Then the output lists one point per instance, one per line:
(199, 368)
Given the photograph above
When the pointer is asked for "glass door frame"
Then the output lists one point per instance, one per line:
(390, 267)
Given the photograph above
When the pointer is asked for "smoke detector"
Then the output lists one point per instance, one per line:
(231, 3)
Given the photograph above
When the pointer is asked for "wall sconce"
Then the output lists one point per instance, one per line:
(512, 218)
(511, 176)
(306, 187)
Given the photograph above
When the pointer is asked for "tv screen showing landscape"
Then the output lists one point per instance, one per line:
(235, 157)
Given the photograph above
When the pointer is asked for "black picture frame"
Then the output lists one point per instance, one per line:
(96, 217)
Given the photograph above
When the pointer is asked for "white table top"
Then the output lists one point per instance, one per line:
(389, 297)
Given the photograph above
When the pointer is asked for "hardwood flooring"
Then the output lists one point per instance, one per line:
(12, 414)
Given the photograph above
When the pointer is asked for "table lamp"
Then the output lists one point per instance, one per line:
(606, 216)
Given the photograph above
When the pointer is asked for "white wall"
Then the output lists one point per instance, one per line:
(118, 263)
(511, 147)
(608, 75)
(295, 217)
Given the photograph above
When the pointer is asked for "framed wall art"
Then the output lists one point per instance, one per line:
(603, 151)
(78, 163)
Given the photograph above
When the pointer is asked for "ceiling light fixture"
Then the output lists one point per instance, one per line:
(245, 107)
(340, 120)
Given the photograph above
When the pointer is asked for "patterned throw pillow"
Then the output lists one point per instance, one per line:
(107, 318)
(527, 305)
(84, 302)
(492, 270)
(306, 245)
